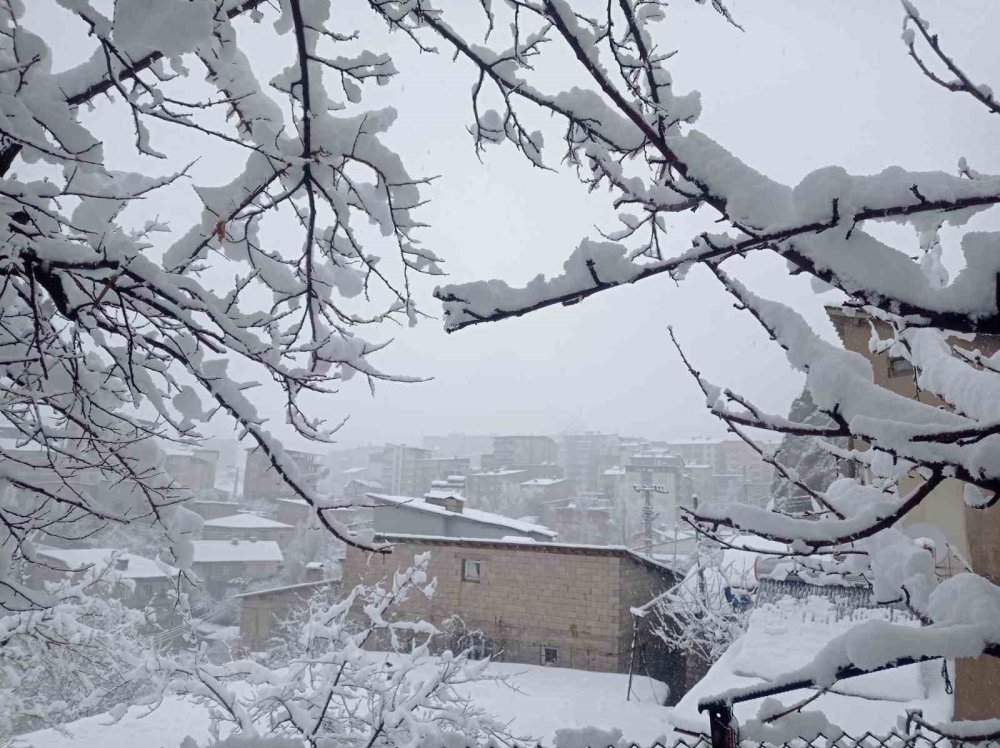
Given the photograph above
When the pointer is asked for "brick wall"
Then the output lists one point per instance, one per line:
(527, 597)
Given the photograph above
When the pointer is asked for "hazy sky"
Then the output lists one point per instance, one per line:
(808, 84)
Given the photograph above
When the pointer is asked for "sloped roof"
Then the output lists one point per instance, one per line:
(315, 584)
(544, 481)
(474, 515)
(246, 521)
(220, 551)
(529, 544)
(81, 559)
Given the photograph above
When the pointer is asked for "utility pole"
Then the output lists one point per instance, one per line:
(647, 490)
(697, 551)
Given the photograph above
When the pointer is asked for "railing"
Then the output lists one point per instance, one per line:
(893, 739)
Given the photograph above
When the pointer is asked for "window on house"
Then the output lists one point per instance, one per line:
(550, 656)
(471, 570)
(900, 367)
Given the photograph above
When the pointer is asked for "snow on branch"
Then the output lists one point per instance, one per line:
(113, 335)
(629, 130)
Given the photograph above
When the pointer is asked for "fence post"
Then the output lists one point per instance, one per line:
(720, 719)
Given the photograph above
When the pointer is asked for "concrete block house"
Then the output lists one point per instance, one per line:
(151, 580)
(222, 564)
(534, 602)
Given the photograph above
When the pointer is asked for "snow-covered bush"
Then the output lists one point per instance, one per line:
(329, 688)
(71, 660)
(706, 611)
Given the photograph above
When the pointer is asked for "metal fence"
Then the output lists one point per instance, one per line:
(894, 739)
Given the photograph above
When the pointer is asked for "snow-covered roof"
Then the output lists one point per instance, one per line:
(787, 635)
(221, 551)
(287, 588)
(365, 483)
(475, 515)
(246, 521)
(500, 473)
(135, 567)
(543, 481)
(442, 494)
(355, 470)
(616, 470)
(546, 545)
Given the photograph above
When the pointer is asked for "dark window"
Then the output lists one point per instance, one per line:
(471, 570)
(550, 656)
(900, 367)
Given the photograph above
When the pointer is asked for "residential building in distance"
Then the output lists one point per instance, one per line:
(700, 451)
(151, 578)
(246, 526)
(668, 478)
(660, 469)
(751, 477)
(397, 467)
(534, 602)
(539, 491)
(262, 481)
(212, 509)
(358, 488)
(294, 512)
(473, 445)
(443, 513)
(583, 519)
(370, 472)
(223, 564)
(432, 469)
(191, 467)
(489, 487)
(522, 451)
(585, 457)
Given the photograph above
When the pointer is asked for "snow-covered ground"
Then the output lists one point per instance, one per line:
(785, 636)
(536, 700)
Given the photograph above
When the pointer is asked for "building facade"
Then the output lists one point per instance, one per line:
(538, 603)
(398, 468)
(521, 451)
(262, 481)
(224, 564)
(585, 457)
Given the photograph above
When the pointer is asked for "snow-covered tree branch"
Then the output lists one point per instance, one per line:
(630, 131)
(112, 332)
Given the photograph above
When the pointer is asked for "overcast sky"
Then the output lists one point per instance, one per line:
(809, 83)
